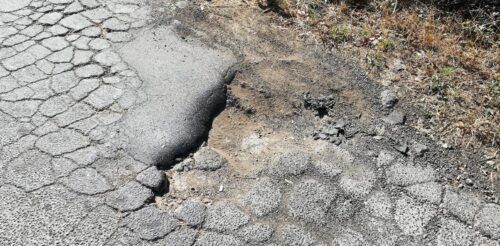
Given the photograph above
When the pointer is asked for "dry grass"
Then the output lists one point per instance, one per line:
(451, 63)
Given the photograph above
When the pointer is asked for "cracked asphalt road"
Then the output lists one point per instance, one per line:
(93, 97)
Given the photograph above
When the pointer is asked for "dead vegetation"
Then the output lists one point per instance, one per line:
(445, 62)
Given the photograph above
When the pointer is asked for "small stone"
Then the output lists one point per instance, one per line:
(151, 177)
(191, 212)
(207, 159)
(402, 148)
(420, 149)
(225, 217)
(131, 196)
(263, 198)
(388, 98)
(150, 223)
(469, 182)
(395, 118)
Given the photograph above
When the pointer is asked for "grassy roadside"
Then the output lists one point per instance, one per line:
(445, 62)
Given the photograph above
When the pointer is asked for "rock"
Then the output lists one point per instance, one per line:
(388, 98)
(310, 201)
(225, 217)
(207, 159)
(395, 118)
(150, 223)
(191, 212)
(131, 196)
(263, 198)
(151, 177)
(402, 148)
(420, 149)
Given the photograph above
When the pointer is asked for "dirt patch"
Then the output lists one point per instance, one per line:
(277, 69)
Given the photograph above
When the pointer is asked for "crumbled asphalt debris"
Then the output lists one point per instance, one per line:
(334, 131)
(321, 105)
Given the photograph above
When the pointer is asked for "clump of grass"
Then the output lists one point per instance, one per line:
(338, 34)
(452, 58)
